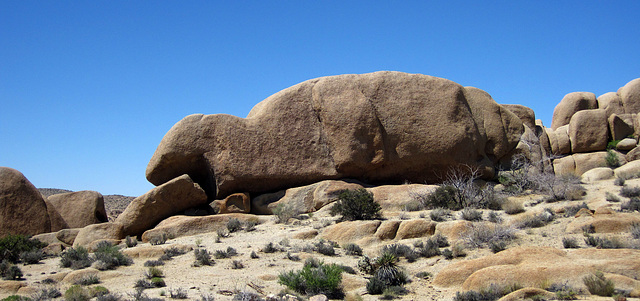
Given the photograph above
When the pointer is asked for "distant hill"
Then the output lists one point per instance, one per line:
(114, 204)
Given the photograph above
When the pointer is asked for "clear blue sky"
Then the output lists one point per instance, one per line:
(89, 88)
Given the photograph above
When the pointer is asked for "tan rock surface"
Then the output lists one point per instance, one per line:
(630, 96)
(23, 208)
(588, 131)
(569, 105)
(147, 210)
(332, 127)
(177, 226)
(81, 208)
(94, 232)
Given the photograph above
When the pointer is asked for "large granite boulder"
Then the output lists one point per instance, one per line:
(23, 208)
(377, 127)
(611, 103)
(79, 209)
(147, 210)
(630, 96)
(588, 131)
(570, 104)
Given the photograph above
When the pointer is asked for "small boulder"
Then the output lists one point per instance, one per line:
(597, 174)
(569, 105)
(399, 196)
(563, 140)
(589, 161)
(626, 144)
(415, 228)
(588, 131)
(78, 275)
(604, 221)
(628, 171)
(633, 154)
(177, 226)
(147, 210)
(67, 236)
(620, 126)
(81, 208)
(94, 232)
(387, 230)
(611, 103)
(234, 203)
(23, 208)
(526, 114)
(350, 231)
(564, 166)
(630, 95)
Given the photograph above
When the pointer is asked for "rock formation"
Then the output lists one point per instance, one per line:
(23, 208)
(377, 127)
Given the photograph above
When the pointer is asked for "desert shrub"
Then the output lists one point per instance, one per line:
(157, 282)
(109, 297)
(536, 220)
(393, 292)
(467, 192)
(202, 257)
(110, 256)
(424, 275)
(447, 253)
(31, 257)
(236, 264)
(632, 205)
(470, 214)
(270, 248)
(234, 225)
(250, 226)
(254, 255)
(207, 297)
(439, 214)
(558, 187)
(455, 251)
(88, 280)
(563, 291)
(397, 250)
(173, 252)
(143, 284)
(429, 249)
(570, 243)
(440, 240)
(388, 271)
(98, 291)
(494, 217)
(446, 197)
(599, 285)
(610, 197)
(46, 293)
(612, 159)
(159, 239)
(630, 192)
(635, 230)
(512, 207)
(356, 205)
(284, 212)
(323, 279)
(139, 295)
(130, 241)
(178, 293)
(153, 263)
(76, 293)
(479, 235)
(325, 248)
(220, 254)
(75, 258)
(9, 271)
(570, 211)
(293, 257)
(16, 298)
(497, 246)
(375, 286)
(352, 249)
(11, 246)
(365, 265)
(413, 205)
(493, 292)
(153, 272)
(619, 181)
(603, 242)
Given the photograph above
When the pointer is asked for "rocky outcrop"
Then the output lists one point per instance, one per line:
(377, 127)
(95, 232)
(180, 225)
(604, 221)
(79, 209)
(234, 203)
(147, 210)
(23, 208)
(530, 266)
(569, 105)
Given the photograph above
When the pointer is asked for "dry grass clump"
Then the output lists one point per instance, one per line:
(512, 207)
(479, 235)
(598, 284)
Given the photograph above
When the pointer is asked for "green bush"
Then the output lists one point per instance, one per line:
(356, 205)
(46, 293)
(324, 279)
(157, 282)
(31, 257)
(325, 248)
(234, 225)
(570, 243)
(352, 249)
(599, 285)
(76, 293)
(110, 256)
(375, 286)
(202, 257)
(16, 298)
(612, 159)
(388, 271)
(75, 258)
(153, 272)
(446, 197)
(11, 246)
(8, 271)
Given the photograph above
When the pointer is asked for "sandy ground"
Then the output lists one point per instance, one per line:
(261, 275)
